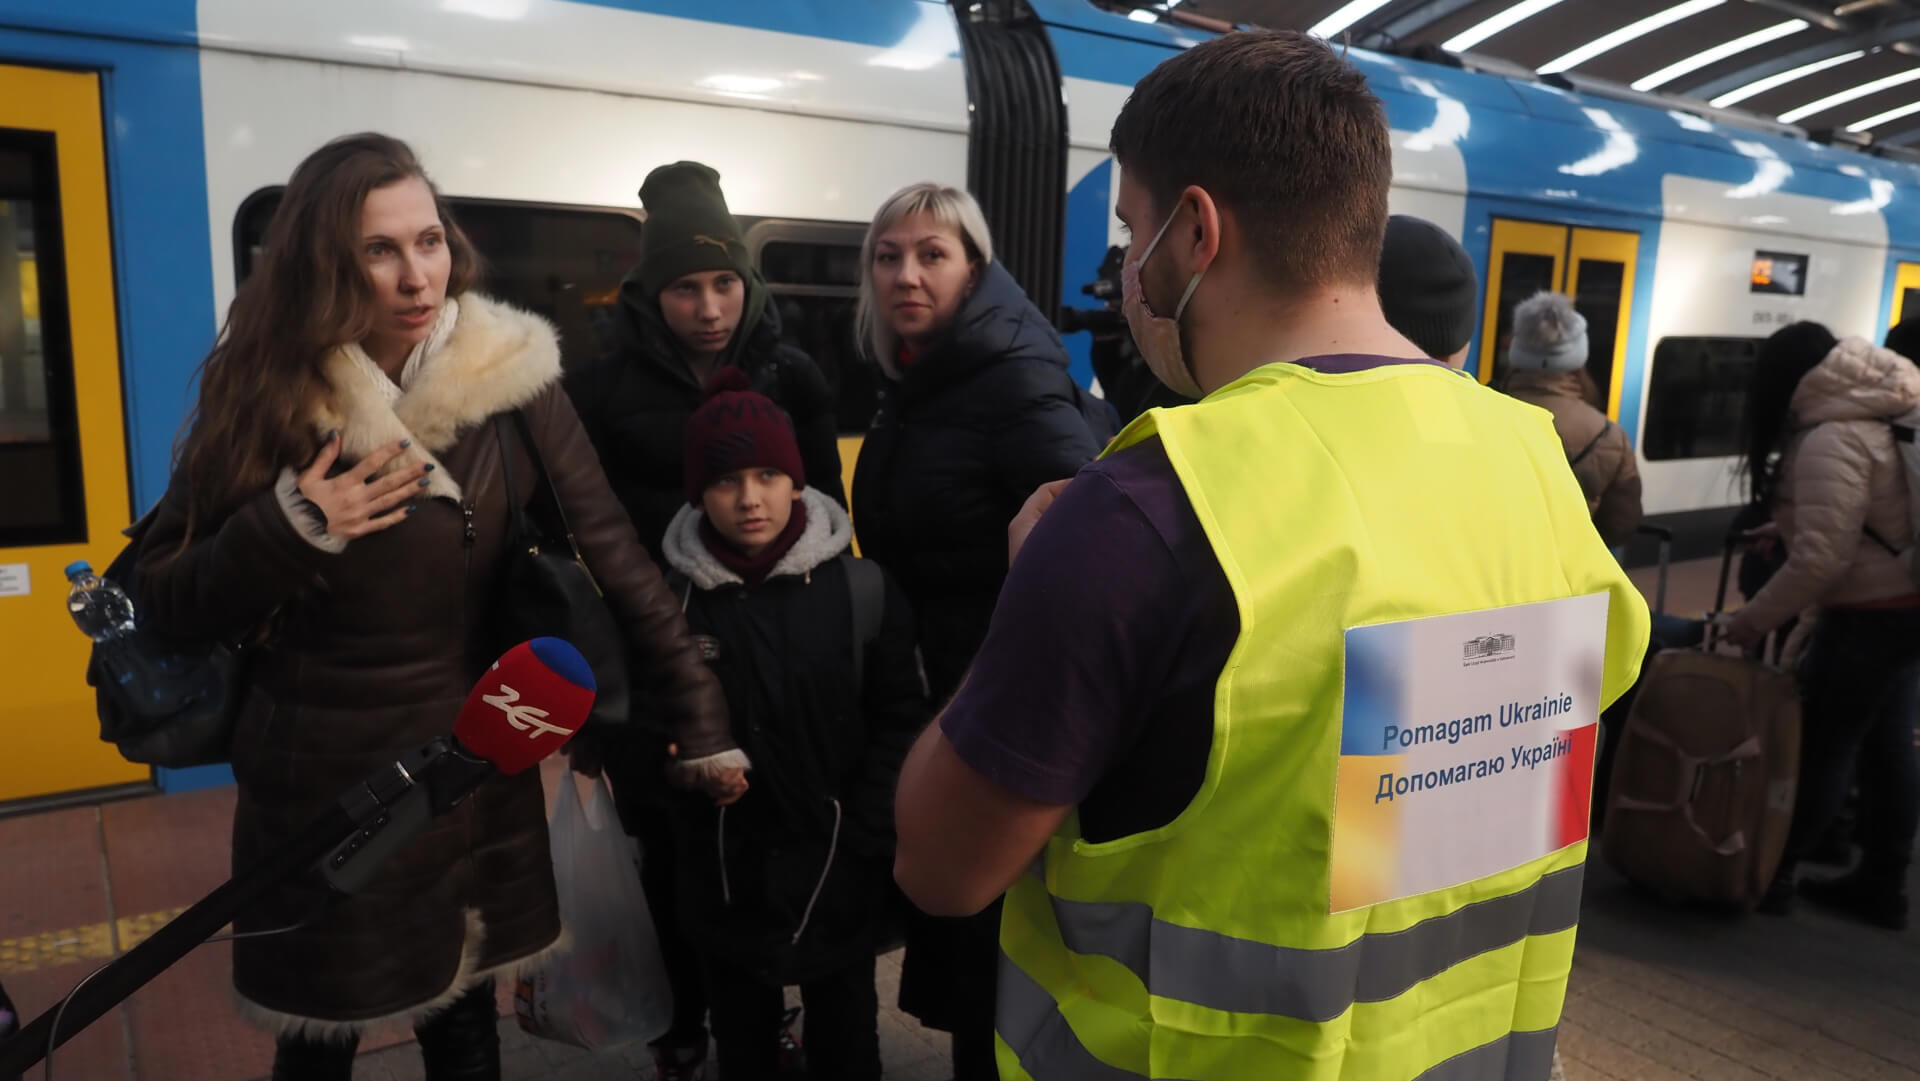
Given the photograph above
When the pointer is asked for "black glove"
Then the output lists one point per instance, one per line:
(587, 752)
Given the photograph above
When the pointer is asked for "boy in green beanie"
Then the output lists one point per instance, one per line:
(694, 305)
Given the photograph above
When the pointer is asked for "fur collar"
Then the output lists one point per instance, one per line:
(495, 358)
(827, 533)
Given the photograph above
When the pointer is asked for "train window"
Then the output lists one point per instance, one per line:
(790, 262)
(1597, 297)
(1909, 302)
(564, 263)
(813, 271)
(1522, 275)
(250, 230)
(559, 262)
(44, 502)
(1696, 397)
(1781, 273)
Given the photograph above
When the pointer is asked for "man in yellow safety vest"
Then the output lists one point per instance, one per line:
(1281, 743)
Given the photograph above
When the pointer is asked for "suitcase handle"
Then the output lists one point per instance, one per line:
(1773, 646)
(1772, 651)
(1692, 771)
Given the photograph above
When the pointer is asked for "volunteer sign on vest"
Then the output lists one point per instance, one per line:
(1466, 746)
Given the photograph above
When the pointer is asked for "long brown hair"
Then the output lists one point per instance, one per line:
(307, 296)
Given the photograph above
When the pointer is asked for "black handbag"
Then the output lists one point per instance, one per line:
(546, 589)
(163, 701)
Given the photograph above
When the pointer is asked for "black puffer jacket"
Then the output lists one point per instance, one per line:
(635, 400)
(979, 420)
(818, 814)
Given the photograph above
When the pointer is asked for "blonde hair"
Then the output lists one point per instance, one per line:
(949, 207)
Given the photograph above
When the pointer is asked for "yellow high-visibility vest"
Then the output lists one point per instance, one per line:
(1218, 947)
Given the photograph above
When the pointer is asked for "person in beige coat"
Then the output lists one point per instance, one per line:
(1547, 367)
(1821, 454)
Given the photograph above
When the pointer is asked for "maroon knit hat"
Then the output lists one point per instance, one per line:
(737, 428)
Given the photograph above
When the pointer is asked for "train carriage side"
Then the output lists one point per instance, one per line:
(1683, 241)
(539, 123)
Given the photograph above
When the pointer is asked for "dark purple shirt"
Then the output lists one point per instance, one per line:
(1095, 684)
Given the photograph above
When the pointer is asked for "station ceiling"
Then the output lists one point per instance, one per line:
(1847, 71)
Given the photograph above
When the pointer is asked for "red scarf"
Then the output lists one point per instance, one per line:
(753, 569)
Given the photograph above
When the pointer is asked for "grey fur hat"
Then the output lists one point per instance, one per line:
(1548, 335)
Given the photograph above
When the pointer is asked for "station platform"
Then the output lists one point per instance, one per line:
(1658, 993)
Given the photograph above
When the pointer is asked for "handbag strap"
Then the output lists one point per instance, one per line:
(523, 521)
(1588, 449)
(525, 532)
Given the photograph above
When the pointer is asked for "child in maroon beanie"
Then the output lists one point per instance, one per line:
(793, 884)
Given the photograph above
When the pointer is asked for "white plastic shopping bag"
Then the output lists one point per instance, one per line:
(607, 986)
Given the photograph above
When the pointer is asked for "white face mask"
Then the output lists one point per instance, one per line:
(1158, 337)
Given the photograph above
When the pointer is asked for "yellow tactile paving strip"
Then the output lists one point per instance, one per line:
(95, 941)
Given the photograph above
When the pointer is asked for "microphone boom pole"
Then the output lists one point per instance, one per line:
(179, 937)
(494, 734)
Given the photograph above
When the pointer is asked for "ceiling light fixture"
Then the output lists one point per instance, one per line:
(1720, 52)
(1814, 108)
(1606, 43)
(1761, 86)
(1347, 14)
(1479, 32)
(1878, 119)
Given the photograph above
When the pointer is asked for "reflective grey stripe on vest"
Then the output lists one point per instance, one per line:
(1049, 1050)
(1027, 1019)
(1240, 975)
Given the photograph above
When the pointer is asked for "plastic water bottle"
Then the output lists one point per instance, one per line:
(99, 608)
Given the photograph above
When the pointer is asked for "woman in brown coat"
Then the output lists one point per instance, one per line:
(339, 505)
(1547, 367)
(1822, 456)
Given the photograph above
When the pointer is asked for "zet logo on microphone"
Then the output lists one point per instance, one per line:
(528, 719)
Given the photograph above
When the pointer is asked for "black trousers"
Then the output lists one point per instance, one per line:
(635, 767)
(1860, 693)
(841, 1023)
(460, 1043)
(658, 880)
(949, 981)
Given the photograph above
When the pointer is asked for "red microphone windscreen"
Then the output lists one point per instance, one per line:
(527, 705)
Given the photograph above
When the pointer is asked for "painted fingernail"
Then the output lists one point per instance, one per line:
(333, 435)
(430, 467)
(405, 443)
(411, 507)
(424, 482)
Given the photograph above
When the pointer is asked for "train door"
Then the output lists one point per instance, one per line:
(63, 455)
(1593, 266)
(1906, 293)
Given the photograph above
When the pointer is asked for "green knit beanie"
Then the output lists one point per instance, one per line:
(688, 228)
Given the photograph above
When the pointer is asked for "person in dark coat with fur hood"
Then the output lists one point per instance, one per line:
(977, 411)
(692, 307)
(815, 649)
(340, 506)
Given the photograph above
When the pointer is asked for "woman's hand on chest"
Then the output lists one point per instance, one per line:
(354, 503)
